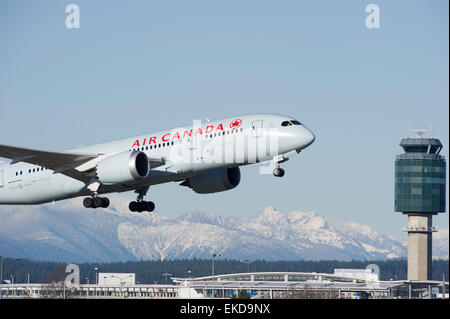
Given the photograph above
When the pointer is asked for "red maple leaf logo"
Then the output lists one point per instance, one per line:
(236, 123)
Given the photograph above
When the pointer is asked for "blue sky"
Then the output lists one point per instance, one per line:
(140, 66)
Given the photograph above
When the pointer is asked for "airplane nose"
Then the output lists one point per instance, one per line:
(310, 138)
(307, 137)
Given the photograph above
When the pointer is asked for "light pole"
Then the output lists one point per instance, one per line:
(190, 276)
(17, 270)
(212, 286)
(248, 262)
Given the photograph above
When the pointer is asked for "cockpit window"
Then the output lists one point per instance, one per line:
(289, 123)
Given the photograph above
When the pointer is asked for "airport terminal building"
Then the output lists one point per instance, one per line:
(342, 284)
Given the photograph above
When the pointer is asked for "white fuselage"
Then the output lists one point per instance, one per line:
(186, 151)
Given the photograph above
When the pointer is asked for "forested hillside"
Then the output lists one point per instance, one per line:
(152, 271)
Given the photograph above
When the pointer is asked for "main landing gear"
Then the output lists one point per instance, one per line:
(95, 202)
(140, 205)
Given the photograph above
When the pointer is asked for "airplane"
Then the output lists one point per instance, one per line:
(203, 156)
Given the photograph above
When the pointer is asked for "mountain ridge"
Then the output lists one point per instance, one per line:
(68, 232)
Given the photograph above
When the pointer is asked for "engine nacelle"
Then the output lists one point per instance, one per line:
(123, 167)
(215, 181)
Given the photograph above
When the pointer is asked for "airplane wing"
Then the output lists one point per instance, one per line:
(76, 165)
(60, 162)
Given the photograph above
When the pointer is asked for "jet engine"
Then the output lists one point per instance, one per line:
(215, 181)
(123, 167)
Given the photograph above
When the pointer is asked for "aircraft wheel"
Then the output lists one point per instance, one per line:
(97, 202)
(278, 172)
(133, 206)
(140, 207)
(149, 206)
(88, 202)
(105, 202)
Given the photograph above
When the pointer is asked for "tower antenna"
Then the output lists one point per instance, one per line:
(420, 132)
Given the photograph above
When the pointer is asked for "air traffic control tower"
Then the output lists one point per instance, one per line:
(420, 193)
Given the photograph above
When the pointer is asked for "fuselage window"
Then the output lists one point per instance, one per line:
(296, 122)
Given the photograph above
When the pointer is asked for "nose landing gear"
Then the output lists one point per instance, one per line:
(277, 160)
(278, 172)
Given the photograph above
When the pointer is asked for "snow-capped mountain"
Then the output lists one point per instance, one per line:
(68, 232)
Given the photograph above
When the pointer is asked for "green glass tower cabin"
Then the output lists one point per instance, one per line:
(420, 193)
(420, 177)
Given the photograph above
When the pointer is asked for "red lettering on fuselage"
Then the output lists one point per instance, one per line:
(186, 133)
(164, 136)
(199, 130)
(136, 143)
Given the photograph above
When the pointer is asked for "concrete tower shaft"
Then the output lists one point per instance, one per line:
(420, 228)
